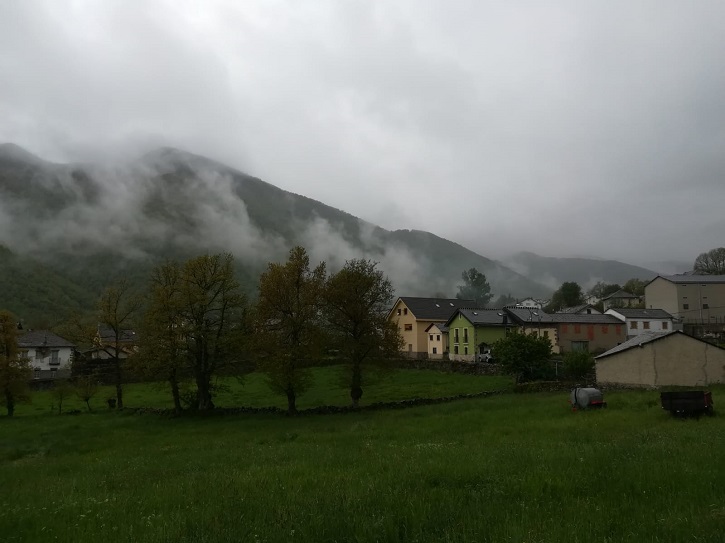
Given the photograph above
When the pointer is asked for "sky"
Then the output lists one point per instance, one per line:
(565, 128)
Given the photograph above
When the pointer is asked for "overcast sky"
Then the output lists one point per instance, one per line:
(562, 128)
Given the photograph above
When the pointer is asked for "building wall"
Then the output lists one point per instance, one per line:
(694, 303)
(470, 337)
(599, 337)
(675, 360)
(661, 294)
(437, 341)
(546, 330)
(47, 362)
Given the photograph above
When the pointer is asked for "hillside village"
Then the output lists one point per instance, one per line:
(440, 329)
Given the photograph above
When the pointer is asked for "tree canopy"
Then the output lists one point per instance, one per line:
(524, 356)
(357, 300)
(475, 287)
(15, 370)
(711, 263)
(568, 295)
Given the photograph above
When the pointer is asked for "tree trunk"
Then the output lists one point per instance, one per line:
(88, 404)
(356, 390)
(10, 404)
(119, 387)
(203, 390)
(291, 401)
(175, 392)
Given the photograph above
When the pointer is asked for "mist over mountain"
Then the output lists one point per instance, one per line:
(92, 222)
(587, 272)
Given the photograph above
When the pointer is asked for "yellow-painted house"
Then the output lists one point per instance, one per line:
(415, 315)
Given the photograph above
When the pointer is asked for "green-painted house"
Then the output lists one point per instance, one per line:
(471, 332)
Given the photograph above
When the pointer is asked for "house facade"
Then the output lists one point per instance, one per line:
(50, 355)
(583, 309)
(589, 333)
(693, 299)
(414, 315)
(621, 298)
(471, 332)
(640, 321)
(527, 321)
(662, 359)
(437, 341)
(533, 303)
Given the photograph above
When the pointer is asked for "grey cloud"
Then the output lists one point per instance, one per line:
(563, 128)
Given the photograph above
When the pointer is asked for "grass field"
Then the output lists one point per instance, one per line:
(504, 468)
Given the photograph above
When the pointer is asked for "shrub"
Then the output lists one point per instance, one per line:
(578, 365)
(525, 357)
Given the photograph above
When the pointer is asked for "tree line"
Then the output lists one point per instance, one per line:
(194, 323)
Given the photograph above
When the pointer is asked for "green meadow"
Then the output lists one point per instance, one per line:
(508, 467)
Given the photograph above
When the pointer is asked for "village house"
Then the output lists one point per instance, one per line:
(50, 355)
(639, 321)
(472, 332)
(528, 321)
(621, 298)
(414, 315)
(662, 359)
(589, 333)
(437, 341)
(583, 309)
(692, 299)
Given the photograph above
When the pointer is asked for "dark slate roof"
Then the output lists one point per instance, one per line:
(41, 338)
(637, 313)
(442, 327)
(620, 294)
(648, 337)
(107, 334)
(565, 318)
(523, 315)
(573, 309)
(492, 317)
(703, 279)
(435, 308)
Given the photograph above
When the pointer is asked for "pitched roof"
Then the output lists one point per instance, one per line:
(442, 327)
(105, 334)
(522, 314)
(41, 338)
(620, 294)
(647, 337)
(703, 279)
(565, 318)
(639, 313)
(491, 317)
(434, 308)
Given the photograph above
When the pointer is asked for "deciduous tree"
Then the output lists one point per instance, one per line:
(711, 263)
(15, 369)
(568, 295)
(475, 287)
(117, 309)
(289, 323)
(357, 300)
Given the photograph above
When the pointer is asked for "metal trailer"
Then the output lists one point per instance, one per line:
(688, 403)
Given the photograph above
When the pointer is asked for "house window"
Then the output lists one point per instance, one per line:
(54, 357)
(577, 328)
(53, 372)
(435, 350)
(580, 346)
(465, 349)
(618, 329)
(38, 355)
(706, 306)
(455, 349)
(438, 337)
(685, 306)
(455, 336)
(633, 325)
(408, 327)
(664, 325)
(605, 328)
(37, 373)
(645, 325)
(400, 311)
(546, 334)
(564, 328)
(405, 311)
(465, 335)
(23, 354)
(430, 337)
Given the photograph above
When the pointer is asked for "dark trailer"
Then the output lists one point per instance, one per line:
(687, 403)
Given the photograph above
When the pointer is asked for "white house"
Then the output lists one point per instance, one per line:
(530, 303)
(437, 340)
(50, 355)
(639, 321)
